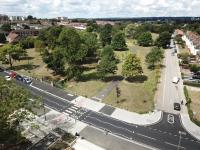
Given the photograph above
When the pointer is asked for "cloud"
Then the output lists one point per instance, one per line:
(100, 8)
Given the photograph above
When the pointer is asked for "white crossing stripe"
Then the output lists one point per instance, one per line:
(71, 109)
(68, 111)
(75, 107)
(70, 94)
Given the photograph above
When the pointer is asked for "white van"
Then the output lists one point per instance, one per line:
(175, 80)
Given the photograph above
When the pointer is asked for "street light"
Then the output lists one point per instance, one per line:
(179, 142)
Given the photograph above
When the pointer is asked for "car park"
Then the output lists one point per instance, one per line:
(177, 106)
(175, 80)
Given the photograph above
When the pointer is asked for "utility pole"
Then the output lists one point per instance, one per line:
(44, 109)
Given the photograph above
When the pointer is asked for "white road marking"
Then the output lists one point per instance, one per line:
(146, 136)
(170, 119)
(174, 145)
(70, 94)
(165, 73)
(68, 111)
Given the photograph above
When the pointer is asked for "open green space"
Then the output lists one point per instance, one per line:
(137, 97)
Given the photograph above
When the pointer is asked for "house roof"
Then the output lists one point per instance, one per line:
(12, 37)
(179, 32)
(194, 38)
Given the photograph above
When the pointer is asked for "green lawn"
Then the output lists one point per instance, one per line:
(136, 97)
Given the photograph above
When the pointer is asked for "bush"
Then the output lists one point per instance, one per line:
(195, 84)
(194, 68)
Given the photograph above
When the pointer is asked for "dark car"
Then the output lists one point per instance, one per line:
(19, 78)
(177, 106)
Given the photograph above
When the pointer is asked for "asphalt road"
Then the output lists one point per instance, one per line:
(164, 135)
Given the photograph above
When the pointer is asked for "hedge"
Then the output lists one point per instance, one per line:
(195, 84)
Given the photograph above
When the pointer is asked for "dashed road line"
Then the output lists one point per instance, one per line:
(146, 136)
(174, 145)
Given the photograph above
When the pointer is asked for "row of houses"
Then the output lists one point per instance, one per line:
(192, 41)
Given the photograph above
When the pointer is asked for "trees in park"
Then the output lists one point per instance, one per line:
(163, 40)
(154, 57)
(2, 38)
(108, 63)
(132, 66)
(145, 39)
(89, 40)
(39, 45)
(6, 27)
(11, 53)
(27, 42)
(130, 30)
(118, 41)
(106, 34)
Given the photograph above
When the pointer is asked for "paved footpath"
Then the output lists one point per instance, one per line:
(130, 117)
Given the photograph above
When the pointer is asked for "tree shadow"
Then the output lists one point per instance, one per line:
(25, 67)
(137, 79)
(113, 78)
(89, 76)
(27, 58)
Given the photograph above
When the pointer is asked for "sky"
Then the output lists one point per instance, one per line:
(100, 8)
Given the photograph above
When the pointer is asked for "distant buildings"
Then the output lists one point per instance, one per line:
(17, 18)
(102, 22)
(76, 25)
(16, 35)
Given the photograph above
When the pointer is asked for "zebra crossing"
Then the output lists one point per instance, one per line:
(75, 111)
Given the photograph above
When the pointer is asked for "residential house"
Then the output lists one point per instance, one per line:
(102, 22)
(192, 41)
(16, 35)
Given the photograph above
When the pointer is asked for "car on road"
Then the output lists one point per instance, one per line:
(12, 74)
(175, 80)
(8, 78)
(1, 69)
(19, 77)
(177, 106)
(27, 80)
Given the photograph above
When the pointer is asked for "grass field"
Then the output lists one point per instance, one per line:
(195, 105)
(137, 97)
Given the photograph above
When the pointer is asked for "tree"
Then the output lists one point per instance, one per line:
(90, 41)
(154, 56)
(39, 45)
(57, 62)
(108, 63)
(194, 68)
(163, 40)
(29, 17)
(118, 42)
(132, 66)
(130, 30)
(27, 42)
(14, 103)
(74, 52)
(14, 52)
(6, 27)
(2, 38)
(145, 39)
(106, 34)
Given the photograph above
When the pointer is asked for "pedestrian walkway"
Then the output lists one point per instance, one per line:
(192, 128)
(82, 144)
(124, 115)
(135, 118)
(103, 93)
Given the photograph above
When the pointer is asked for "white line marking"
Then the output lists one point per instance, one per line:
(146, 136)
(70, 94)
(68, 111)
(174, 145)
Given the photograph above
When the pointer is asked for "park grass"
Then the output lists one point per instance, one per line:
(137, 97)
(195, 104)
(33, 65)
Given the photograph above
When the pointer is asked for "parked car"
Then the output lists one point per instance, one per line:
(8, 78)
(27, 80)
(19, 77)
(177, 106)
(12, 74)
(1, 69)
(175, 80)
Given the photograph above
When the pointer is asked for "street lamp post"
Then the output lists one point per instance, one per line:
(179, 142)
(44, 109)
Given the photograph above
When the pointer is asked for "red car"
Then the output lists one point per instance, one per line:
(13, 74)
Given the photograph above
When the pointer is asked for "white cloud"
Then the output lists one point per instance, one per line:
(100, 8)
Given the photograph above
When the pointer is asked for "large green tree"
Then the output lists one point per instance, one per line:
(163, 39)
(106, 34)
(11, 52)
(145, 39)
(6, 27)
(118, 41)
(130, 30)
(108, 62)
(14, 101)
(132, 66)
(154, 57)
(90, 41)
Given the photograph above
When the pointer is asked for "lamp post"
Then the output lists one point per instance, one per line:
(179, 142)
